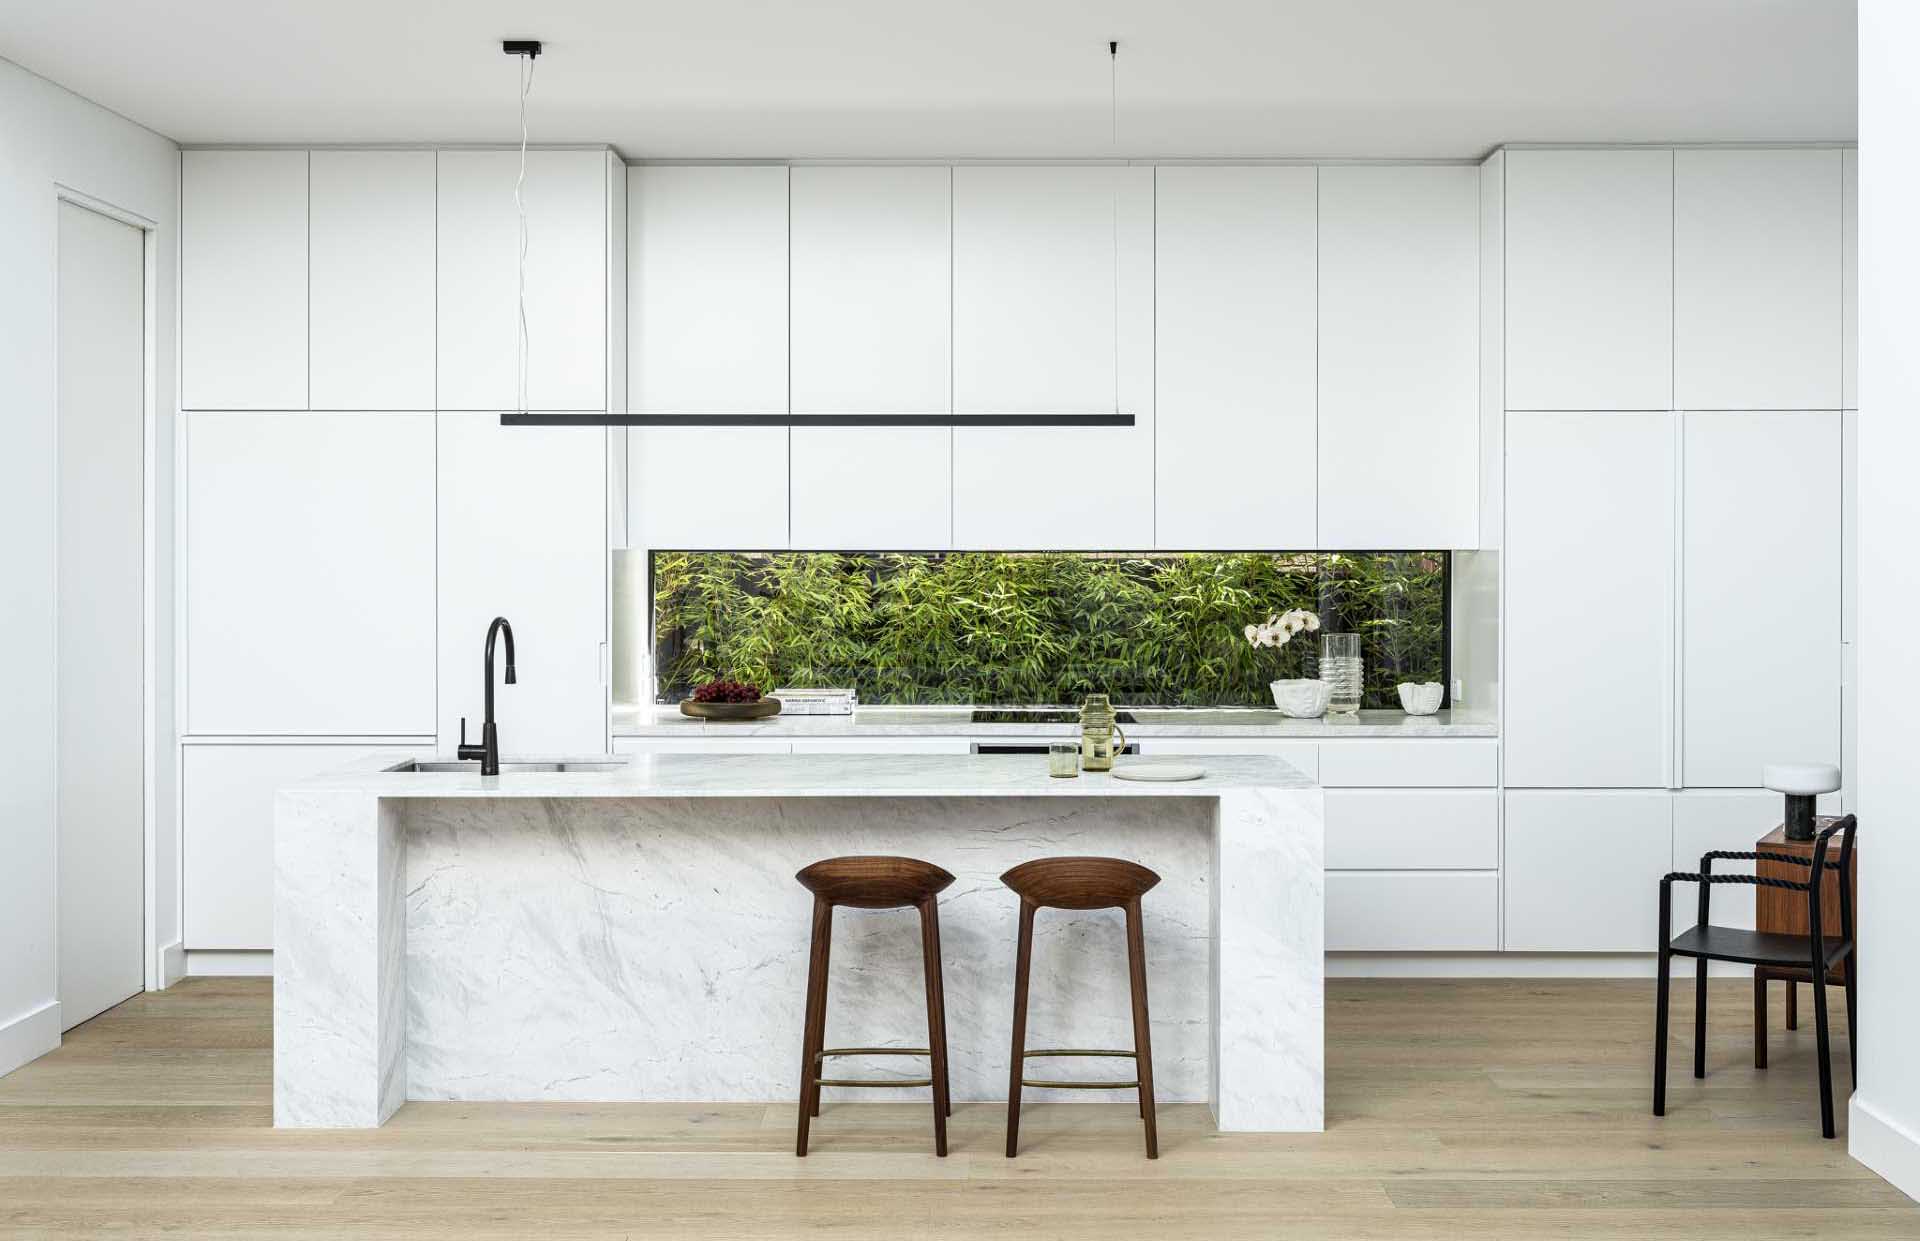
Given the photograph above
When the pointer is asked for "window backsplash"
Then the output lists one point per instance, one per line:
(1038, 627)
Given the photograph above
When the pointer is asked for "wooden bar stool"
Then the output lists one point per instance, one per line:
(1081, 883)
(873, 883)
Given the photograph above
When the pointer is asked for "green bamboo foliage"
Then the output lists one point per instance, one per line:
(1040, 627)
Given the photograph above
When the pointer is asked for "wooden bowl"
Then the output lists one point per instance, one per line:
(730, 710)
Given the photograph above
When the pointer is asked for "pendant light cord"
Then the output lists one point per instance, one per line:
(1113, 150)
(520, 275)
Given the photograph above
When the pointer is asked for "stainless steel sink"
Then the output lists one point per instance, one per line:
(472, 766)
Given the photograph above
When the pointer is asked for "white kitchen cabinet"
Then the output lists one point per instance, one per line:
(309, 573)
(227, 794)
(1757, 279)
(707, 280)
(1582, 869)
(1430, 762)
(883, 745)
(1589, 279)
(243, 279)
(872, 289)
(566, 280)
(1413, 829)
(372, 300)
(522, 534)
(858, 487)
(1234, 307)
(1304, 756)
(702, 744)
(1399, 357)
(1413, 911)
(1850, 279)
(1589, 610)
(1761, 594)
(1042, 258)
(718, 488)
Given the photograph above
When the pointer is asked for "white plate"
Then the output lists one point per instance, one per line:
(1158, 771)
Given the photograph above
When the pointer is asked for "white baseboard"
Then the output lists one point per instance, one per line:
(173, 964)
(1889, 1148)
(29, 1036)
(202, 963)
(1511, 965)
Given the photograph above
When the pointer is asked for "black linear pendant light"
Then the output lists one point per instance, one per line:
(528, 49)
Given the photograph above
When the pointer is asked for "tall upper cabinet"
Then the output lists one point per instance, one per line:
(567, 198)
(707, 323)
(1053, 313)
(1757, 279)
(871, 307)
(243, 279)
(372, 241)
(1234, 310)
(1589, 279)
(1399, 356)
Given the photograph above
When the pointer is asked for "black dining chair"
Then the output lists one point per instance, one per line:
(1817, 952)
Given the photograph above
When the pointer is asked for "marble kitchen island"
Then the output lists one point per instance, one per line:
(635, 932)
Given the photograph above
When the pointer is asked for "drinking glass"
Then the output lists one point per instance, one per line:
(1063, 758)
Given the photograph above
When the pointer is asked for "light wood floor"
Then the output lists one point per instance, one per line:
(1455, 1109)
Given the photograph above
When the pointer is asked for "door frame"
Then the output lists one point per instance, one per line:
(152, 967)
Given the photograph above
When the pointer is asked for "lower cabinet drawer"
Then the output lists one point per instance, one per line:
(1430, 762)
(1413, 829)
(701, 745)
(1434, 911)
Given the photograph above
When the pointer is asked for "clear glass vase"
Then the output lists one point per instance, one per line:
(1342, 670)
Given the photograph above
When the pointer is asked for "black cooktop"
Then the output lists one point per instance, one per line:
(1037, 715)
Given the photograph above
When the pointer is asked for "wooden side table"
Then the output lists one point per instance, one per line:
(1784, 912)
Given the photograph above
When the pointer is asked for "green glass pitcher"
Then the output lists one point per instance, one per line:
(1100, 735)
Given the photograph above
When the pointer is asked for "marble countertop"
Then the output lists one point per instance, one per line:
(649, 721)
(799, 775)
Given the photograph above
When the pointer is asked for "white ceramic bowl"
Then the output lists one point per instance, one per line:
(1420, 698)
(1303, 700)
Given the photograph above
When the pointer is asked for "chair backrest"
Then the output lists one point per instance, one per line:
(1817, 876)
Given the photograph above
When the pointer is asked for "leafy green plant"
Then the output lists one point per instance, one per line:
(1038, 627)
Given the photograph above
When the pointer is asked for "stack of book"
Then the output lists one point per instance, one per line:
(816, 701)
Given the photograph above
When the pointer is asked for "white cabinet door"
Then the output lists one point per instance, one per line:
(566, 279)
(1589, 614)
(1589, 287)
(1413, 829)
(1757, 301)
(373, 283)
(702, 745)
(707, 280)
(1042, 257)
(1303, 756)
(1582, 869)
(882, 745)
(523, 535)
(1850, 280)
(1760, 590)
(243, 279)
(1234, 273)
(309, 574)
(675, 474)
(871, 290)
(871, 313)
(1399, 373)
(227, 796)
(860, 487)
(1413, 911)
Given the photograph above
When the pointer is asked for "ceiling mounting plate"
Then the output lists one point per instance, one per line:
(520, 47)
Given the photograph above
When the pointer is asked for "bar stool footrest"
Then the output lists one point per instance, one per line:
(871, 1051)
(1044, 1084)
(876, 1082)
(1079, 1051)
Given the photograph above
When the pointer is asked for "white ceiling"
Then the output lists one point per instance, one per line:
(894, 78)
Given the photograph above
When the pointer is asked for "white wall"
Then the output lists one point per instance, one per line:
(51, 137)
(1884, 1123)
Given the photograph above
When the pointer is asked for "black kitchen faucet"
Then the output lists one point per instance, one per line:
(488, 751)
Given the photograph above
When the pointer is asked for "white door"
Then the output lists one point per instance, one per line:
(100, 665)
(1760, 589)
(1589, 620)
(1399, 357)
(1234, 271)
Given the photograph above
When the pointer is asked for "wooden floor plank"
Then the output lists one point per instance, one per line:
(1491, 1108)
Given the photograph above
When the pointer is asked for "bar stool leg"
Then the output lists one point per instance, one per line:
(1142, 1036)
(1023, 965)
(813, 1034)
(936, 1021)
